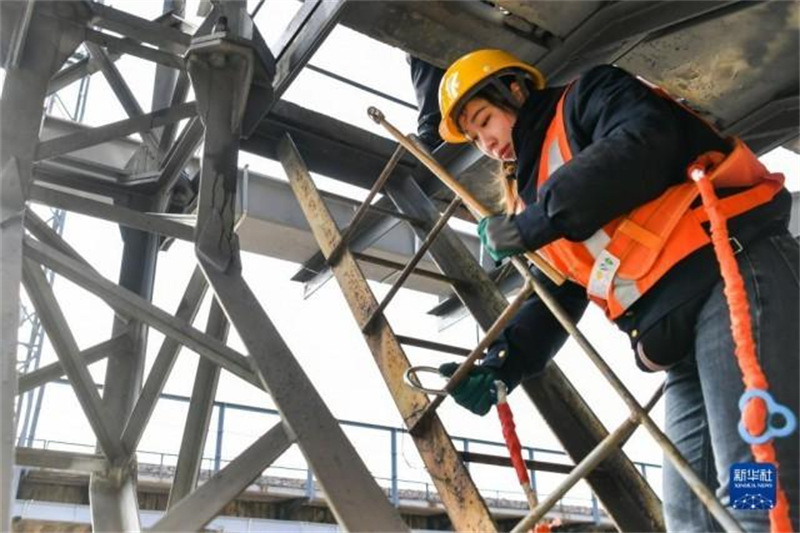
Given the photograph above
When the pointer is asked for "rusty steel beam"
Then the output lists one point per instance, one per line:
(465, 506)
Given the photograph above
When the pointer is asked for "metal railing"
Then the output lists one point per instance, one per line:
(161, 464)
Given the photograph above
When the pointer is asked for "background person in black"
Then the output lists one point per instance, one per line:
(629, 146)
(426, 79)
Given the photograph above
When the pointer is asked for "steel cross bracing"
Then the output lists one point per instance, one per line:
(21, 107)
(236, 81)
(31, 403)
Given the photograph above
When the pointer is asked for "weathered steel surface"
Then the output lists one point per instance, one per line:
(464, 504)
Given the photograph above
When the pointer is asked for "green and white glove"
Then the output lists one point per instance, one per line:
(500, 236)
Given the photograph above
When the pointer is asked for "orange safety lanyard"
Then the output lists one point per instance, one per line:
(756, 404)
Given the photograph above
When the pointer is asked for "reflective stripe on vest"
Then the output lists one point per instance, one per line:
(625, 258)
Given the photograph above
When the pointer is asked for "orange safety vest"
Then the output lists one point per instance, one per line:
(626, 257)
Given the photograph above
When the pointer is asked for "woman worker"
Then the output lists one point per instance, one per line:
(595, 177)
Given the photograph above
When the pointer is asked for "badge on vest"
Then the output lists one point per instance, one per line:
(603, 271)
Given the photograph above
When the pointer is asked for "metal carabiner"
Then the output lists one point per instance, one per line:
(411, 379)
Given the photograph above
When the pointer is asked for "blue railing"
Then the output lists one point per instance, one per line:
(394, 482)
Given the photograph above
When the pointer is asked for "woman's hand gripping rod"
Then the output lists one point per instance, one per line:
(469, 200)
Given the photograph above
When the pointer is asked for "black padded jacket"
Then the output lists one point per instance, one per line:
(629, 145)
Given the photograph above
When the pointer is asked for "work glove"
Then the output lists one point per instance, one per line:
(500, 236)
(477, 391)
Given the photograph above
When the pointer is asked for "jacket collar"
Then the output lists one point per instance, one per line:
(530, 129)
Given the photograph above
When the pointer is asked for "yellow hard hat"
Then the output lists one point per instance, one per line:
(468, 73)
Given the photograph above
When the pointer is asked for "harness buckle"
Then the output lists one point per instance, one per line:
(736, 245)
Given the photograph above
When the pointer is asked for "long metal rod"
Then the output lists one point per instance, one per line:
(454, 185)
(175, 160)
(198, 417)
(121, 90)
(60, 460)
(307, 31)
(464, 368)
(162, 366)
(19, 36)
(55, 370)
(190, 337)
(92, 137)
(613, 441)
(67, 350)
(126, 46)
(411, 265)
(497, 460)
(361, 86)
(465, 506)
(132, 218)
(597, 455)
(365, 205)
(200, 507)
(399, 266)
(156, 31)
(113, 493)
(434, 346)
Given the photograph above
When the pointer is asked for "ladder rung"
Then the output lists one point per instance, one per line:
(396, 214)
(348, 232)
(497, 460)
(399, 266)
(412, 264)
(464, 368)
(435, 346)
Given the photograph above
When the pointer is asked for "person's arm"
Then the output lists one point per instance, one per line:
(634, 150)
(531, 339)
(534, 336)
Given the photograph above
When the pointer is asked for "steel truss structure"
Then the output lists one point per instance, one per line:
(238, 82)
(235, 77)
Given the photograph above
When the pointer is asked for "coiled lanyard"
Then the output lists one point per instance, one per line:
(756, 405)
